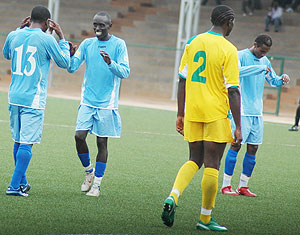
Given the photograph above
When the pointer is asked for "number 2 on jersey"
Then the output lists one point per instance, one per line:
(30, 59)
(196, 75)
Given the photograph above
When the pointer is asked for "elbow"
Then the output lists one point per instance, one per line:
(126, 74)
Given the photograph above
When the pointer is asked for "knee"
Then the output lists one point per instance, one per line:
(236, 147)
(102, 142)
(80, 137)
(252, 149)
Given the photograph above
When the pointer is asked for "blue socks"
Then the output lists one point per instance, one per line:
(100, 169)
(230, 161)
(85, 159)
(16, 148)
(23, 157)
(15, 151)
(248, 164)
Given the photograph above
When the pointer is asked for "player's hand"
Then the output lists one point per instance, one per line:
(285, 79)
(54, 26)
(73, 48)
(105, 56)
(237, 137)
(180, 124)
(25, 22)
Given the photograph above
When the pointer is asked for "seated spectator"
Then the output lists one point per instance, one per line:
(274, 17)
(247, 7)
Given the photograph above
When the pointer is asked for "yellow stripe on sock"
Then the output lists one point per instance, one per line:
(209, 187)
(184, 177)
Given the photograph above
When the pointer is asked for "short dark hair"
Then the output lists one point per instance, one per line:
(40, 14)
(263, 39)
(103, 13)
(221, 14)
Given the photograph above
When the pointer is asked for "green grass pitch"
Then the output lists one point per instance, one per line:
(141, 169)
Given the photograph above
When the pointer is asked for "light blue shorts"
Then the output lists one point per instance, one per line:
(26, 124)
(252, 129)
(100, 122)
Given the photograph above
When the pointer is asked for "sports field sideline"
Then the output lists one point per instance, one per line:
(142, 167)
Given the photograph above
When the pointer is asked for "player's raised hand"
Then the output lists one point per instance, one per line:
(73, 48)
(54, 26)
(180, 125)
(237, 137)
(285, 78)
(105, 56)
(25, 22)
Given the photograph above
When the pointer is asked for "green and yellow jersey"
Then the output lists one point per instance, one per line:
(210, 66)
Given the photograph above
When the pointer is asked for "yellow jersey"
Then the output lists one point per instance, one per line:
(210, 66)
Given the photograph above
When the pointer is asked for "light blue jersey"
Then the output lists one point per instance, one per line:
(30, 51)
(101, 83)
(252, 86)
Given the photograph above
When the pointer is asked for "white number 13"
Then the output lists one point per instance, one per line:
(31, 60)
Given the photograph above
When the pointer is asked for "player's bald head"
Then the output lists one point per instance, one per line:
(105, 14)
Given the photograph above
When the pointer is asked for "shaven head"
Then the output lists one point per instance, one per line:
(103, 13)
(221, 15)
(40, 14)
(263, 40)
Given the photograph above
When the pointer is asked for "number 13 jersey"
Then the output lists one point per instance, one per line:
(210, 66)
(30, 51)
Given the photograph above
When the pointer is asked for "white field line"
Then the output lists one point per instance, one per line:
(157, 133)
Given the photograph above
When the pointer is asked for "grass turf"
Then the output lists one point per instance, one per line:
(141, 169)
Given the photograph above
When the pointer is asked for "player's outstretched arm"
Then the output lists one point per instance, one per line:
(235, 106)
(180, 106)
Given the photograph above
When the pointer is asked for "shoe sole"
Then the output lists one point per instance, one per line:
(166, 215)
(245, 194)
(205, 228)
(232, 194)
(17, 194)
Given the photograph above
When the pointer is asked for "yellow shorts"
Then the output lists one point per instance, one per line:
(218, 131)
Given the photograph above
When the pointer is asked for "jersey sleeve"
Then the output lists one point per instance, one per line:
(6, 47)
(78, 58)
(251, 70)
(271, 77)
(120, 67)
(183, 68)
(231, 68)
(59, 52)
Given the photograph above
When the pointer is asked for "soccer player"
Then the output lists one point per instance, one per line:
(107, 63)
(208, 84)
(252, 88)
(30, 49)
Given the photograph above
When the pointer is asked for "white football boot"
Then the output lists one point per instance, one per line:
(94, 191)
(88, 180)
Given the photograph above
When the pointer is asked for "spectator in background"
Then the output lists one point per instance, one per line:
(294, 6)
(274, 17)
(248, 7)
(295, 126)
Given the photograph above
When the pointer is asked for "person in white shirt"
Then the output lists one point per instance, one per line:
(274, 17)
